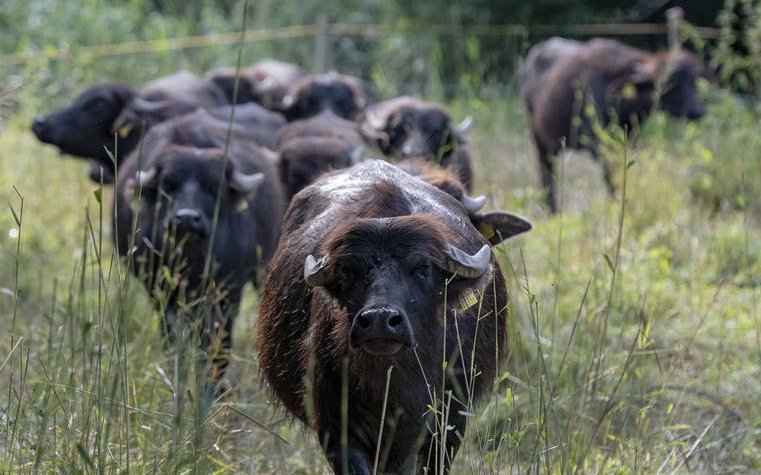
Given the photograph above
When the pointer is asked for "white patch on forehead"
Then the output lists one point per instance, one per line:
(355, 182)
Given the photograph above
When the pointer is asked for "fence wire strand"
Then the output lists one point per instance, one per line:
(341, 29)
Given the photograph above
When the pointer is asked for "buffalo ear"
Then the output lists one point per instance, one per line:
(499, 225)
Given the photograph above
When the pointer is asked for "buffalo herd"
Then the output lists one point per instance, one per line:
(354, 219)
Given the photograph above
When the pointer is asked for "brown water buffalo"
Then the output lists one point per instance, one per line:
(109, 117)
(166, 197)
(598, 83)
(265, 82)
(346, 96)
(376, 269)
(539, 59)
(408, 127)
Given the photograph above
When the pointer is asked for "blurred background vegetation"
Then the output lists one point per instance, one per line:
(471, 52)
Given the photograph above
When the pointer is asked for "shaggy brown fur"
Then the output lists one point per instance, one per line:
(371, 220)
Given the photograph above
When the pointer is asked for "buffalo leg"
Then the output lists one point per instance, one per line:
(100, 171)
(358, 462)
(547, 173)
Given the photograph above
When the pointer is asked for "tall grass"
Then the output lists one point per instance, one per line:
(633, 323)
(634, 333)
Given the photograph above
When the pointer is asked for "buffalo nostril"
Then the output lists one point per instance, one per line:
(363, 322)
(38, 124)
(395, 321)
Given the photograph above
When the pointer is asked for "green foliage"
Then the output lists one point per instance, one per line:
(738, 50)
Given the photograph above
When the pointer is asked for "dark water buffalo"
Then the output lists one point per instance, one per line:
(539, 59)
(357, 286)
(110, 113)
(86, 127)
(172, 185)
(252, 120)
(598, 83)
(168, 97)
(323, 125)
(304, 159)
(346, 96)
(408, 127)
(265, 82)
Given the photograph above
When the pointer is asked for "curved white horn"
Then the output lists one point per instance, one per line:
(463, 127)
(246, 183)
(146, 178)
(270, 155)
(145, 105)
(372, 132)
(375, 120)
(470, 266)
(288, 100)
(473, 204)
(265, 85)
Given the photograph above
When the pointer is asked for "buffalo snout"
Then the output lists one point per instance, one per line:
(381, 330)
(40, 127)
(696, 113)
(189, 220)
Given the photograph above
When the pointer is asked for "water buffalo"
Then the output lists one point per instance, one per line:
(252, 120)
(409, 127)
(86, 127)
(346, 96)
(304, 159)
(168, 97)
(323, 125)
(539, 59)
(265, 82)
(166, 196)
(109, 117)
(598, 83)
(376, 269)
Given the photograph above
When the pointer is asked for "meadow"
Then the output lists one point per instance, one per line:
(634, 342)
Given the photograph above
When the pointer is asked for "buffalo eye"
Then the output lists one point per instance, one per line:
(97, 104)
(346, 275)
(168, 184)
(422, 271)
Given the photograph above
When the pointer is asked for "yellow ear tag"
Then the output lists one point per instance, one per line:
(703, 84)
(125, 129)
(486, 230)
(468, 298)
(242, 206)
(629, 91)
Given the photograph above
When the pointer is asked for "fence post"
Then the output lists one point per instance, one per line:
(674, 16)
(320, 43)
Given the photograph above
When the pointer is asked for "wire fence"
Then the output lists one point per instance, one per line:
(322, 29)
